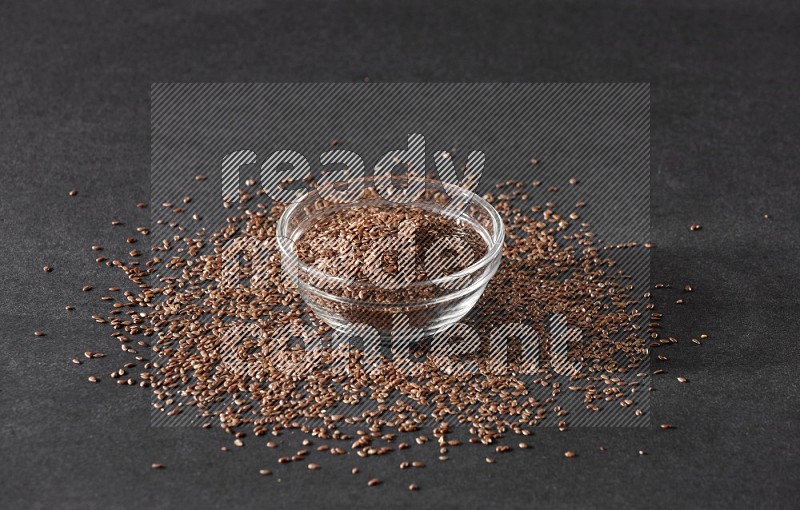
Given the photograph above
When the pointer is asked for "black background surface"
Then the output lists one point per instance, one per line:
(74, 112)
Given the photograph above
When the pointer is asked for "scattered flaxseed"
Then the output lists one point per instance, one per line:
(693, 227)
(666, 426)
(489, 460)
(313, 467)
(38, 333)
(264, 472)
(682, 380)
(413, 487)
(158, 466)
(373, 482)
(87, 288)
(93, 379)
(170, 312)
(47, 269)
(569, 454)
(354, 471)
(72, 192)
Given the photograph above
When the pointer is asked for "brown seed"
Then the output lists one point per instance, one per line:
(175, 364)
(523, 446)
(573, 181)
(96, 247)
(642, 452)
(93, 379)
(141, 205)
(200, 177)
(313, 467)
(264, 472)
(131, 240)
(666, 426)
(489, 460)
(354, 470)
(413, 487)
(158, 466)
(693, 227)
(272, 444)
(687, 288)
(373, 482)
(87, 288)
(72, 192)
(238, 442)
(703, 336)
(38, 333)
(568, 454)
(77, 361)
(47, 269)
(69, 308)
(418, 464)
(284, 460)
(682, 380)
(116, 223)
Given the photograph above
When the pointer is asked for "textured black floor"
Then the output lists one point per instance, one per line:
(74, 112)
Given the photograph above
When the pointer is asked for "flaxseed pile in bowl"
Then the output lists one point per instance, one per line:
(393, 258)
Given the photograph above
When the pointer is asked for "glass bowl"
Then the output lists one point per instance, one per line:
(421, 303)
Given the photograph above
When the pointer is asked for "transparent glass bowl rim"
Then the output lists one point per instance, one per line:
(497, 235)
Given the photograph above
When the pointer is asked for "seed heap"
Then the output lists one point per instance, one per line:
(356, 231)
(189, 301)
